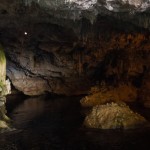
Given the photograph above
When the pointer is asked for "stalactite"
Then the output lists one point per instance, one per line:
(80, 62)
(75, 58)
(78, 58)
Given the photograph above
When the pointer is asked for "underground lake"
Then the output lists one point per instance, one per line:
(55, 123)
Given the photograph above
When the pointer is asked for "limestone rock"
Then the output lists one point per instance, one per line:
(113, 116)
(4, 90)
(4, 120)
(123, 92)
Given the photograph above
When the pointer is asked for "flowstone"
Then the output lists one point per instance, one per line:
(5, 89)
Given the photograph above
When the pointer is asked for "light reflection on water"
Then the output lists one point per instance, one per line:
(45, 123)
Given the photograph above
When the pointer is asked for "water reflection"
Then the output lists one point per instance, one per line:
(45, 123)
(42, 107)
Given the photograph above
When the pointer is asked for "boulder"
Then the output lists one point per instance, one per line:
(113, 116)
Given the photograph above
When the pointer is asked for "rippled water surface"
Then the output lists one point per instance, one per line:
(44, 123)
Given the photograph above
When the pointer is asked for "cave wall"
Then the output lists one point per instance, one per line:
(68, 60)
(65, 56)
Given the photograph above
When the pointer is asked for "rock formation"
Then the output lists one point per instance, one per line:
(103, 95)
(4, 90)
(113, 116)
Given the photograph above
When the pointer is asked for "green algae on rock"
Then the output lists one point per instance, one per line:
(4, 90)
(2, 66)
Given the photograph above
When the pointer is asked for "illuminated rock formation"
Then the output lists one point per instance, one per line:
(4, 90)
(113, 116)
(103, 95)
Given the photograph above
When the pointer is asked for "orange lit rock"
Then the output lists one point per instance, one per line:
(123, 92)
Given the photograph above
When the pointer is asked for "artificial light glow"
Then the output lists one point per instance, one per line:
(25, 33)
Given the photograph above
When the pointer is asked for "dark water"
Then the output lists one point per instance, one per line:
(44, 123)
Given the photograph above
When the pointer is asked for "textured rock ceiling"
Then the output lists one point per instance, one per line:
(112, 5)
(76, 9)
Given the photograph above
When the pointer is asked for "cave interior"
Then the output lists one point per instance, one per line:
(74, 74)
